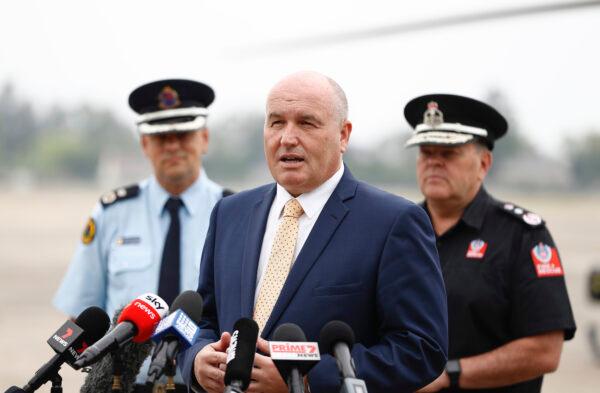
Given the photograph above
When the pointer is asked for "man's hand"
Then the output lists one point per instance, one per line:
(441, 382)
(207, 365)
(265, 376)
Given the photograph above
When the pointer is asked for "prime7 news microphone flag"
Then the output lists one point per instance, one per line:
(68, 342)
(118, 371)
(137, 322)
(293, 355)
(177, 331)
(240, 355)
(337, 339)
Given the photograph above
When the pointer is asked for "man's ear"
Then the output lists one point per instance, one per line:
(144, 144)
(345, 135)
(487, 159)
(204, 134)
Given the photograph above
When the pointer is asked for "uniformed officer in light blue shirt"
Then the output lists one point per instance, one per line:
(123, 252)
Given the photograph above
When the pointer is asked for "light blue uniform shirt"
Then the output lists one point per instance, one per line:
(123, 259)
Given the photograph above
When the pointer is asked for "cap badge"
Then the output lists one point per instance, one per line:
(168, 98)
(433, 116)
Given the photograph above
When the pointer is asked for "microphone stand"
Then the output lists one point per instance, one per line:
(295, 382)
(56, 384)
(117, 384)
(170, 371)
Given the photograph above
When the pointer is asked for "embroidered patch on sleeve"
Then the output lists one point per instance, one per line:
(546, 261)
(89, 232)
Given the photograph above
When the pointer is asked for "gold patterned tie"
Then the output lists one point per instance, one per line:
(280, 262)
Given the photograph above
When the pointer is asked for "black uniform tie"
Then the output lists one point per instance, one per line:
(168, 284)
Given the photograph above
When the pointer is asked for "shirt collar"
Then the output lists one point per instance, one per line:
(475, 211)
(190, 198)
(312, 202)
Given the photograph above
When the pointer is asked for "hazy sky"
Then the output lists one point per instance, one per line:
(70, 52)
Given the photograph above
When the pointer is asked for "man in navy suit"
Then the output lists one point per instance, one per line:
(361, 255)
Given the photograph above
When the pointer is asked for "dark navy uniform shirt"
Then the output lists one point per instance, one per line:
(504, 281)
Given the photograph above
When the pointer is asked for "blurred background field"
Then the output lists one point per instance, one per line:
(40, 227)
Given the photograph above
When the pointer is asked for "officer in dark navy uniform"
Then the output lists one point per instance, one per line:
(148, 237)
(508, 307)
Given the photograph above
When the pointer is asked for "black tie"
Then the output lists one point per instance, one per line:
(168, 284)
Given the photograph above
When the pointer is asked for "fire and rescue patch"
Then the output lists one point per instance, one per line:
(89, 232)
(546, 261)
(476, 249)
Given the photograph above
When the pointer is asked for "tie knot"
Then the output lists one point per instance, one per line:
(293, 209)
(172, 205)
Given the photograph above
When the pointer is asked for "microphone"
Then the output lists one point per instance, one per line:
(14, 389)
(68, 342)
(293, 355)
(240, 355)
(178, 330)
(337, 338)
(136, 323)
(117, 372)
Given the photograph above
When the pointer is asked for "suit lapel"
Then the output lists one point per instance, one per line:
(329, 220)
(256, 230)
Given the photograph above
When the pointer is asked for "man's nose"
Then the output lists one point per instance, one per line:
(434, 159)
(289, 135)
(171, 141)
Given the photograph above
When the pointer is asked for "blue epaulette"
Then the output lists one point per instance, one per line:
(119, 194)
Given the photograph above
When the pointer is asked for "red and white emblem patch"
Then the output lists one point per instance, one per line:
(546, 262)
(476, 249)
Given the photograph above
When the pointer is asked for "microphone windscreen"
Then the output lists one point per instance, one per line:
(240, 355)
(131, 356)
(95, 323)
(334, 332)
(145, 312)
(288, 332)
(189, 302)
(292, 333)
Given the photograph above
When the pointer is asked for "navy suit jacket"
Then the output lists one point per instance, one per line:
(370, 261)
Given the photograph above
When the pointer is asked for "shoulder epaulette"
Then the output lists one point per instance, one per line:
(528, 217)
(119, 194)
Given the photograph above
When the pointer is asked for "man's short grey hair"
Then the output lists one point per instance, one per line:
(341, 102)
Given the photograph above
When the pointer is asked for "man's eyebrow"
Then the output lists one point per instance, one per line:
(311, 118)
(273, 114)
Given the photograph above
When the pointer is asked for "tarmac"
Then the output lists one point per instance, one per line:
(39, 230)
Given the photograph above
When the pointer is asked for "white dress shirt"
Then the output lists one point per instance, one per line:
(312, 203)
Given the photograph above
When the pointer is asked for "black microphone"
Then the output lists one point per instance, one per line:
(137, 322)
(240, 355)
(293, 356)
(14, 389)
(119, 371)
(68, 342)
(337, 338)
(178, 330)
